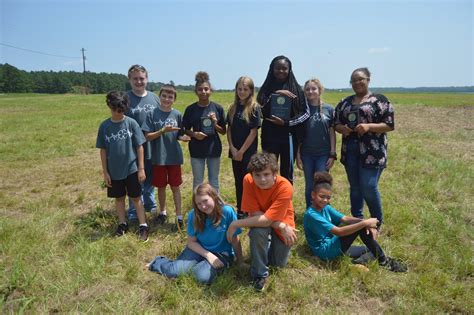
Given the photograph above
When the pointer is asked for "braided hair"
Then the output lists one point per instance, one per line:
(271, 84)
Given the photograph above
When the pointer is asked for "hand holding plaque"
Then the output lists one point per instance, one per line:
(280, 106)
(353, 118)
(207, 126)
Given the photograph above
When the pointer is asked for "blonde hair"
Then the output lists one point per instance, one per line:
(249, 104)
(320, 88)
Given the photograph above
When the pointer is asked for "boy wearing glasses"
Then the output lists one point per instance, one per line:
(120, 141)
(142, 104)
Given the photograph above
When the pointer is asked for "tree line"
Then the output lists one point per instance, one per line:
(14, 80)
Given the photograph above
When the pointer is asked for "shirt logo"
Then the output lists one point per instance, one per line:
(121, 135)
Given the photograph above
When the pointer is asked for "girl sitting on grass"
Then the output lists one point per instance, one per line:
(244, 120)
(207, 252)
(328, 240)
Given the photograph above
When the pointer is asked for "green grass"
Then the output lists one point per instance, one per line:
(57, 252)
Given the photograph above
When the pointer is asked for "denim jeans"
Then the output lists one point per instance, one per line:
(189, 261)
(363, 184)
(213, 165)
(148, 192)
(311, 165)
(265, 252)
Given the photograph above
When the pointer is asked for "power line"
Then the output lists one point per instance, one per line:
(39, 52)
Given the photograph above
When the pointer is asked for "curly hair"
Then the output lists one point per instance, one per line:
(322, 180)
(200, 78)
(117, 101)
(260, 161)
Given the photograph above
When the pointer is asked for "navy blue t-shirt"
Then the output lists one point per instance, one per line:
(240, 129)
(210, 146)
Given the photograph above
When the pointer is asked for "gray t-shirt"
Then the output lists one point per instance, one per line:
(120, 140)
(165, 150)
(140, 108)
(317, 140)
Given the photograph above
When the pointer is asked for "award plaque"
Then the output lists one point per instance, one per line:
(280, 106)
(206, 126)
(353, 118)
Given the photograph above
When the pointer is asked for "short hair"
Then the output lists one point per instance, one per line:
(118, 101)
(200, 78)
(322, 180)
(135, 68)
(168, 88)
(261, 161)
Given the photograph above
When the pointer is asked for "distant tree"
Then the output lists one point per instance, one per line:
(13, 80)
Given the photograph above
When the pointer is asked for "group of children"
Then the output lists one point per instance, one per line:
(144, 147)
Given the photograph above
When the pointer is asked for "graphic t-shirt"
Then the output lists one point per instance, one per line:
(120, 140)
(165, 150)
(140, 108)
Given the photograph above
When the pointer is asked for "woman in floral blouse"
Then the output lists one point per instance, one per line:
(363, 120)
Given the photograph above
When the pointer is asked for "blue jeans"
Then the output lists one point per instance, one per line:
(189, 261)
(311, 165)
(265, 252)
(363, 184)
(213, 165)
(148, 192)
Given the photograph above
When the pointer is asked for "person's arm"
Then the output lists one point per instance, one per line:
(198, 249)
(215, 122)
(350, 220)
(233, 150)
(349, 229)
(343, 129)
(237, 246)
(332, 154)
(372, 127)
(103, 160)
(141, 164)
(248, 142)
(150, 136)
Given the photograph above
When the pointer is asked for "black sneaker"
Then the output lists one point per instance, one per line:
(121, 229)
(161, 219)
(143, 233)
(394, 265)
(259, 284)
(364, 259)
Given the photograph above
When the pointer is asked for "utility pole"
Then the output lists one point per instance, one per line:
(84, 70)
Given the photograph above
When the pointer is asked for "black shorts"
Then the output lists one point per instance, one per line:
(130, 186)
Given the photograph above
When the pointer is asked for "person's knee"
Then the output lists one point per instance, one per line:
(203, 273)
(257, 233)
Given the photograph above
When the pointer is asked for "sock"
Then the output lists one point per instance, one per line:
(179, 217)
(144, 224)
(163, 212)
(125, 223)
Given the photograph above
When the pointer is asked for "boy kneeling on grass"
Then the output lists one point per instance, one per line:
(267, 198)
(328, 240)
(120, 141)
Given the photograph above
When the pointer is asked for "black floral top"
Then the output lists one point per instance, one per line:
(373, 146)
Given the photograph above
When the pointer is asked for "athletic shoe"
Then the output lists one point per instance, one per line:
(364, 259)
(121, 229)
(259, 284)
(394, 265)
(143, 232)
(161, 219)
(152, 210)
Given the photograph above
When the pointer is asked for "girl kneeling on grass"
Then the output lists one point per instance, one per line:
(207, 252)
(328, 240)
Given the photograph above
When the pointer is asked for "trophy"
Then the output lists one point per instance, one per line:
(353, 118)
(280, 106)
(206, 126)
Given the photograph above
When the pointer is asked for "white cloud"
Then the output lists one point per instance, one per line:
(379, 50)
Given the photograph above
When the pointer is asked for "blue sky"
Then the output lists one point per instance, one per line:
(404, 43)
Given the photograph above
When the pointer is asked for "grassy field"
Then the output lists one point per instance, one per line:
(58, 253)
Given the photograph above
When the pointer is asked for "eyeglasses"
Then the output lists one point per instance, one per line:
(137, 68)
(358, 80)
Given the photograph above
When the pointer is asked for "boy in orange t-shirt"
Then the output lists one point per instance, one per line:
(267, 198)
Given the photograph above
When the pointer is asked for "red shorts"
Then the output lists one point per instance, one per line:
(166, 174)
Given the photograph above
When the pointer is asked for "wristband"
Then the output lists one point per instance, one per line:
(162, 130)
(333, 155)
